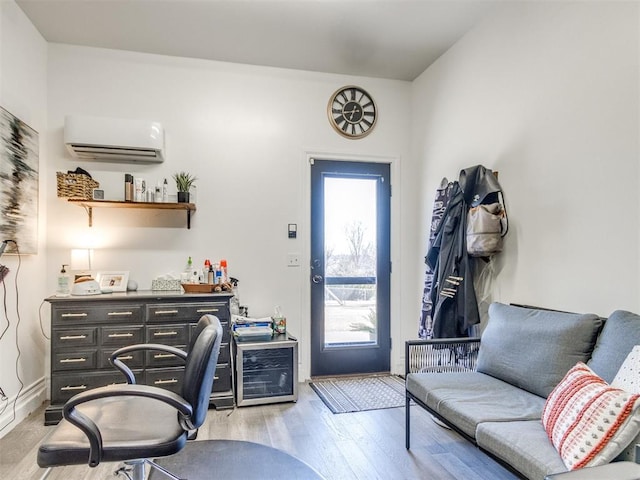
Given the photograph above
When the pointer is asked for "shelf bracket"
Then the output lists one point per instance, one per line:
(188, 219)
(89, 211)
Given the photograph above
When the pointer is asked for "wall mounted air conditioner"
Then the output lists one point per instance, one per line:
(114, 139)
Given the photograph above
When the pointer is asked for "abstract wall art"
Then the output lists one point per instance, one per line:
(19, 150)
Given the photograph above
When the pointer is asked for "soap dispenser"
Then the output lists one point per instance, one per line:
(64, 280)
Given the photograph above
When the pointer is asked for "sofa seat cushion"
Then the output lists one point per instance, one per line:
(468, 398)
(522, 444)
(621, 332)
(533, 349)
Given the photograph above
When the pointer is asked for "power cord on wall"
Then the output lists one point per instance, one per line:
(3, 272)
(40, 319)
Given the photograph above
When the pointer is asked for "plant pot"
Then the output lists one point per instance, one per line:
(183, 197)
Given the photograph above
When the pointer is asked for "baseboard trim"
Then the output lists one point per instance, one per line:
(30, 399)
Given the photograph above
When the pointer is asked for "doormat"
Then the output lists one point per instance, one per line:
(357, 394)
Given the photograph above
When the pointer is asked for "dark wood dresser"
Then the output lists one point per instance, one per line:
(85, 330)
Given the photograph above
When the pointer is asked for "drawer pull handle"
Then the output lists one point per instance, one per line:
(163, 355)
(223, 365)
(165, 334)
(165, 312)
(120, 335)
(205, 310)
(70, 315)
(115, 314)
(69, 388)
(215, 378)
(73, 360)
(165, 382)
(73, 337)
(125, 357)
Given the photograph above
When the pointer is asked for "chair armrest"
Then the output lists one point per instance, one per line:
(441, 355)
(126, 371)
(91, 430)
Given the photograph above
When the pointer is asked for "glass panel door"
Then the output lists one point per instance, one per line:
(350, 267)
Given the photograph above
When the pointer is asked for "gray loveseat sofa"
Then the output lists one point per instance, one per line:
(492, 390)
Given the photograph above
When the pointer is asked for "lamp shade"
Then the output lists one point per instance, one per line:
(81, 259)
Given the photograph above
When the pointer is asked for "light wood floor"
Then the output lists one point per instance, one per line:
(363, 445)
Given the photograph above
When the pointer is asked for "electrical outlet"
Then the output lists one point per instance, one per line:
(293, 260)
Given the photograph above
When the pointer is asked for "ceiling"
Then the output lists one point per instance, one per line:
(394, 39)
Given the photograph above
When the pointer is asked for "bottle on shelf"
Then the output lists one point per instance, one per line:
(165, 191)
(187, 274)
(210, 275)
(128, 187)
(279, 321)
(205, 271)
(217, 274)
(64, 289)
(223, 268)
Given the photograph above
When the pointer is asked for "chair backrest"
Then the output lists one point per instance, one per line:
(200, 367)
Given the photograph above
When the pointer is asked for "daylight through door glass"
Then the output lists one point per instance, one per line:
(350, 261)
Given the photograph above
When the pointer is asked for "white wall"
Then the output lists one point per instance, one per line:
(23, 92)
(246, 133)
(547, 94)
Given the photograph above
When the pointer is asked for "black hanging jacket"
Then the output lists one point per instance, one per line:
(455, 307)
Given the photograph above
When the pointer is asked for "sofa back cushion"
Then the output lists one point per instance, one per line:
(534, 349)
(620, 333)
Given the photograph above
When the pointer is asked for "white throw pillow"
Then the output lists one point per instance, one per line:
(628, 378)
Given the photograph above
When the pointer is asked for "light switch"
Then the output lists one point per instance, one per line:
(292, 230)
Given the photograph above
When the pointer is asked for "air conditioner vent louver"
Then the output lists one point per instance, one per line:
(114, 140)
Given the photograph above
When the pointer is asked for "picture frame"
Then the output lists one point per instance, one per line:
(19, 183)
(115, 281)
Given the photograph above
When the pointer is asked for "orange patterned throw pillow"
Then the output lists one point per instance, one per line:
(588, 421)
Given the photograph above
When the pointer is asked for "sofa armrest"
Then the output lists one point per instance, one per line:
(441, 355)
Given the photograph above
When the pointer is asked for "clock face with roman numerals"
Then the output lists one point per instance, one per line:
(352, 112)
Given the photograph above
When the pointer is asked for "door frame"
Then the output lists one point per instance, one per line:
(397, 350)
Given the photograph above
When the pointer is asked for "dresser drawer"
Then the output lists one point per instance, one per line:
(75, 337)
(74, 360)
(98, 313)
(156, 358)
(167, 378)
(222, 378)
(225, 352)
(186, 312)
(65, 386)
(226, 330)
(168, 334)
(121, 336)
(131, 359)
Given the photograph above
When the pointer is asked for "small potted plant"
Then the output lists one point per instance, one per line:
(184, 181)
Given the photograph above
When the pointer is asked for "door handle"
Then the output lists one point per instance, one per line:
(317, 278)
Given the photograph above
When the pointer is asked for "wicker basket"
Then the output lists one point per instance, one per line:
(75, 185)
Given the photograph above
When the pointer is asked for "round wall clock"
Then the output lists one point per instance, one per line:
(352, 112)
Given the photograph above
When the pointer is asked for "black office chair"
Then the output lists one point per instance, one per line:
(134, 423)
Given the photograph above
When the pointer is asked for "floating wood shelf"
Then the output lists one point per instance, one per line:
(90, 204)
